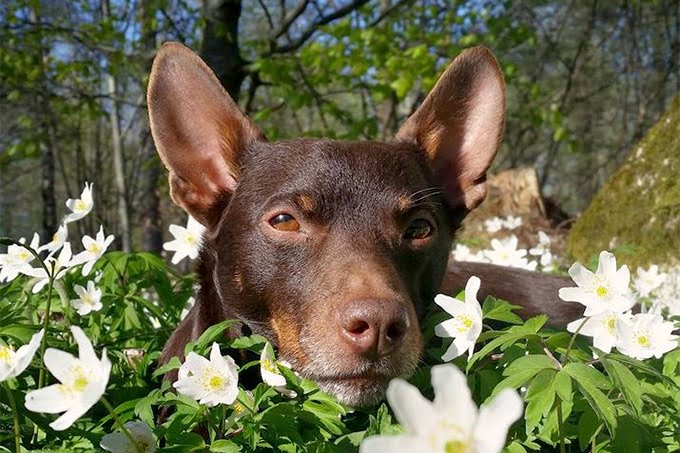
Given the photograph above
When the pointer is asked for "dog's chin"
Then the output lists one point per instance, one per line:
(355, 391)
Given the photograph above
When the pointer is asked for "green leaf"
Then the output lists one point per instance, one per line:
(225, 446)
(521, 370)
(563, 386)
(211, 334)
(499, 310)
(588, 383)
(540, 396)
(625, 381)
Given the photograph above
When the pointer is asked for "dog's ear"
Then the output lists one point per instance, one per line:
(460, 125)
(199, 131)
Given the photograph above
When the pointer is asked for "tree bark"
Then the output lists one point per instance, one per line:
(117, 148)
(152, 234)
(220, 46)
(47, 152)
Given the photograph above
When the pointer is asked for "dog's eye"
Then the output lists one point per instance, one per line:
(418, 229)
(284, 222)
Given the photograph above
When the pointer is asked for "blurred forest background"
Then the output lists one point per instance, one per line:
(586, 79)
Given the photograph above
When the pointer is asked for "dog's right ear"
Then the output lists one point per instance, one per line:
(459, 125)
(198, 129)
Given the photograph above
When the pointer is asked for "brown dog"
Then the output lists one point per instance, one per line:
(331, 249)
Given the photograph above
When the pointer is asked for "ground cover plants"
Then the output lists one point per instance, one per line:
(81, 330)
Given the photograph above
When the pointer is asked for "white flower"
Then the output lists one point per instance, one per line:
(187, 240)
(94, 249)
(546, 261)
(512, 222)
(80, 207)
(493, 225)
(505, 253)
(668, 294)
(605, 290)
(210, 382)
(16, 260)
(648, 280)
(239, 410)
(450, 423)
(463, 253)
(90, 299)
(13, 363)
(271, 375)
(466, 324)
(82, 380)
(57, 266)
(120, 443)
(602, 328)
(543, 245)
(645, 335)
(58, 240)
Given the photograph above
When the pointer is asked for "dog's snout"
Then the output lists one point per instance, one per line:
(373, 328)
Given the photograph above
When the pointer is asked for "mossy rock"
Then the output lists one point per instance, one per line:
(637, 213)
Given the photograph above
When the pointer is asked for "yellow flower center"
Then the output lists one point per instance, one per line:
(24, 255)
(456, 446)
(191, 239)
(80, 205)
(80, 383)
(643, 340)
(610, 324)
(270, 366)
(94, 248)
(465, 323)
(238, 408)
(601, 291)
(5, 353)
(87, 299)
(216, 382)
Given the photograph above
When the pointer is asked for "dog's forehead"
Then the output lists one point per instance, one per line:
(336, 169)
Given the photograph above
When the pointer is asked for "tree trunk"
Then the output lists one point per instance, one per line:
(220, 47)
(152, 234)
(117, 148)
(49, 205)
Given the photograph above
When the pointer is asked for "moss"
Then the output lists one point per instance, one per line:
(636, 214)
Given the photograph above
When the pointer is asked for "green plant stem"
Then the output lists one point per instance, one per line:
(15, 414)
(560, 424)
(573, 339)
(120, 424)
(46, 321)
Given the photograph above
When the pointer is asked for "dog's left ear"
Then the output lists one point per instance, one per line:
(460, 125)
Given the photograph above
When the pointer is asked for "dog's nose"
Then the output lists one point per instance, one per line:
(373, 328)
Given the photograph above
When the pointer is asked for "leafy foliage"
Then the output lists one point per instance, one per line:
(603, 404)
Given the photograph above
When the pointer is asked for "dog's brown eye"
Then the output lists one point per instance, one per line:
(284, 222)
(418, 229)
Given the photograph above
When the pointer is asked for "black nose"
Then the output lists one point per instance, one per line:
(373, 328)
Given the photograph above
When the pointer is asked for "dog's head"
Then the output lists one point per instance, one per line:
(330, 249)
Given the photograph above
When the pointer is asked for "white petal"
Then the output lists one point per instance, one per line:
(412, 410)
(392, 444)
(116, 443)
(495, 419)
(60, 364)
(606, 264)
(51, 399)
(451, 305)
(446, 329)
(452, 396)
(581, 276)
(85, 349)
(24, 354)
(69, 417)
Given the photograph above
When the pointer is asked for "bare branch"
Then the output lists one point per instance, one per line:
(319, 22)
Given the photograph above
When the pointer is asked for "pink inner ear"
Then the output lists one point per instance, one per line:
(460, 124)
(199, 131)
